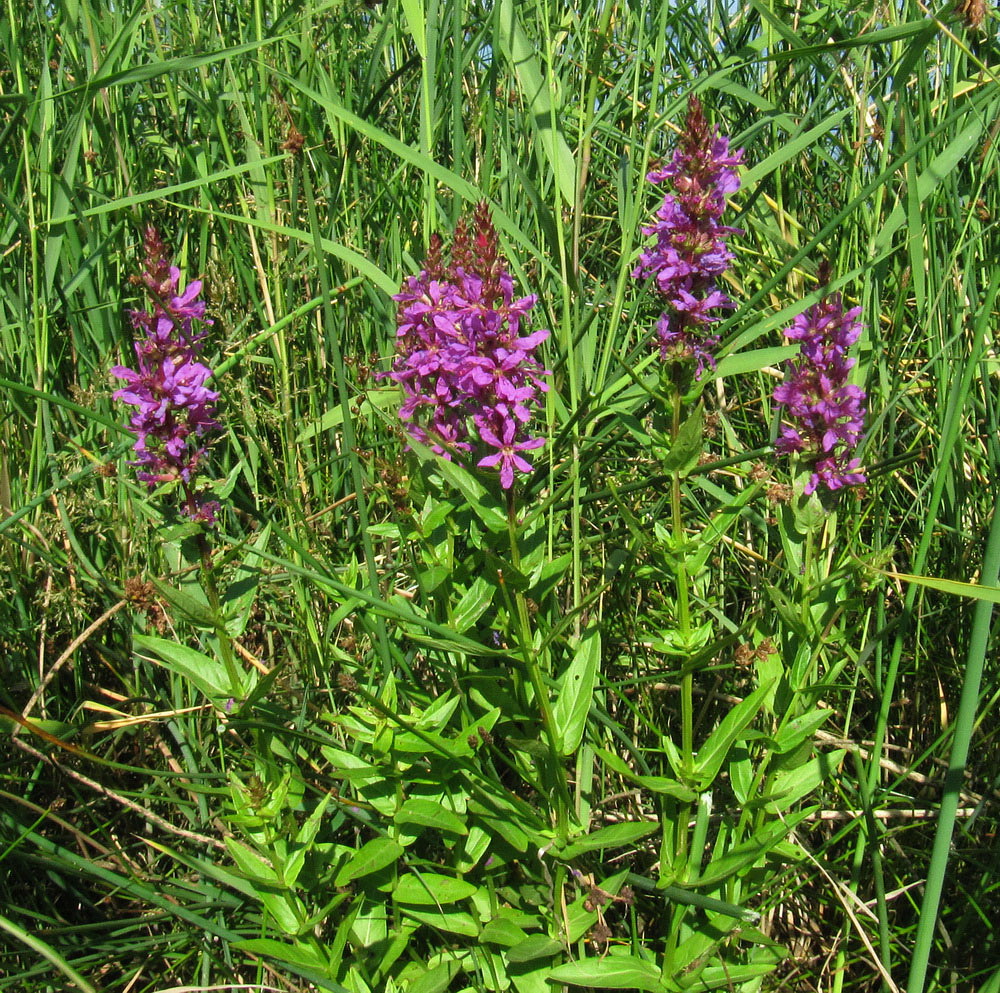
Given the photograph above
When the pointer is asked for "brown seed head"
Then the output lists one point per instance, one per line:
(972, 12)
(294, 141)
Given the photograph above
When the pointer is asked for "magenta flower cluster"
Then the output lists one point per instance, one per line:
(466, 369)
(175, 410)
(690, 253)
(826, 412)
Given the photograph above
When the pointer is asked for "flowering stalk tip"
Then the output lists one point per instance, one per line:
(825, 414)
(689, 253)
(468, 372)
(175, 410)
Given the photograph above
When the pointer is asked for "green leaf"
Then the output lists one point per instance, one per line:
(252, 865)
(192, 606)
(797, 731)
(688, 445)
(241, 594)
(427, 813)
(991, 594)
(170, 67)
(992, 984)
(576, 693)
(370, 857)
(726, 977)
(501, 931)
(785, 608)
(438, 713)
(754, 359)
(416, 24)
(788, 150)
(543, 107)
(279, 901)
(431, 888)
(454, 923)
(308, 955)
(502, 825)
(613, 972)
(741, 773)
(615, 836)
(750, 851)
(207, 674)
(510, 577)
(58, 729)
(655, 784)
(534, 747)
(473, 604)
(547, 576)
(405, 152)
(437, 512)
(305, 957)
(674, 757)
(383, 399)
(535, 946)
(808, 510)
(371, 923)
(790, 786)
(305, 839)
(713, 753)
(436, 979)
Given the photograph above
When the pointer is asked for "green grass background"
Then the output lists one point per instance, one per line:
(870, 140)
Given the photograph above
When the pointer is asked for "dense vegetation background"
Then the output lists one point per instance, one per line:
(467, 749)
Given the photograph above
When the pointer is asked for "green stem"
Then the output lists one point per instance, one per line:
(683, 619)
(965, 720)
(807, 581)
(800, 680)
(215, 603)
(530, 658)
(683, 598)
(809, 584)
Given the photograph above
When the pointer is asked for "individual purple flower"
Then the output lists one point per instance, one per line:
(175, 410)
(507, 447)
(825, 413)
(689, 252)
(468, 371)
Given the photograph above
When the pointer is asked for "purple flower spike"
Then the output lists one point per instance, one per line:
(690, 252)
(466, 366)
(175, 410)
(826, 412)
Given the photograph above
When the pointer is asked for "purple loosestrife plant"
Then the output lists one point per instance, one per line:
(690, 252)
(175, 410)
(467, 370)
(824, 411)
